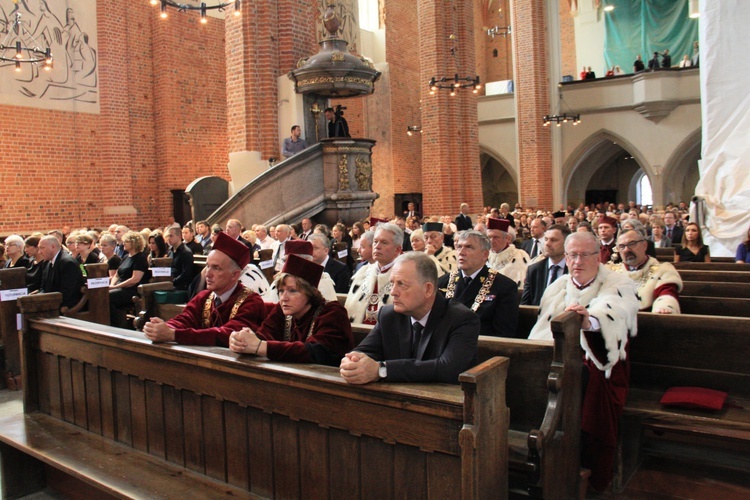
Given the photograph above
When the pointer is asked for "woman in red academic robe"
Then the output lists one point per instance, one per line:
(302, 327)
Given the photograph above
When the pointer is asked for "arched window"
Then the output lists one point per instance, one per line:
(643, 194)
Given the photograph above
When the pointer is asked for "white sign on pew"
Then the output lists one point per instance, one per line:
(159, 272)
(265, 264)
(343, 253)
(13, 294)
(92, 283)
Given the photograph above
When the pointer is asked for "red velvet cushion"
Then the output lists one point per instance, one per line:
(694, 397)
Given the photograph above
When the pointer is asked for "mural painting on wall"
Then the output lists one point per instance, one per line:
(346, 11)
(68, 28)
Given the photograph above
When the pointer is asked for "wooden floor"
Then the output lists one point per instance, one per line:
(656, 479)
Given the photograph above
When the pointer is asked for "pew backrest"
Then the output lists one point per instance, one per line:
(225, 415)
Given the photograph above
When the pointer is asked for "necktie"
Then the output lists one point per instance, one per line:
(553, 273)
(535, 248)
(669, 233)
(217, 301)
(467, 280)
(416, 338)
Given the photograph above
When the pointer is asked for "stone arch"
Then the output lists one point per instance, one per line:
(681, 173)
(601, 149)
(499, 179)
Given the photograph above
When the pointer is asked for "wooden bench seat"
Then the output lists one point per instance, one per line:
(692, 351)
(269, 429)
(35, 446)
(715, 306)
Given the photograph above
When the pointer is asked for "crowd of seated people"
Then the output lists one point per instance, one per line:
(427, 285)
(516, 237)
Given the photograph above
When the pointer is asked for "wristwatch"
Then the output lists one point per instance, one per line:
(382, 370)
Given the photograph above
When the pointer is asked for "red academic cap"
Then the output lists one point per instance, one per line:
(501, 224)
(298, 247)
(303, 268)
(608, 220)
(233, 249)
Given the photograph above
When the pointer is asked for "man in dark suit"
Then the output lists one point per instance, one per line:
(672, 230)
(62, 272)
(463, 221)
(421, 337)
(182, 259)
(411, 211)
(338, 271)
(234, 229)
(607, 230)
(535, 245)
(492, 296)
(546, 271)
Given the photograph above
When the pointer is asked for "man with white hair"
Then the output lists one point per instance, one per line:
(264, 240)
(62, 272)
(282, 233)
(339, 273)
(608, 305)
(444, 256)
(371, 289)
(490, 295)
(504, 256)
(233, 228)
(365, 250)
(224, 307)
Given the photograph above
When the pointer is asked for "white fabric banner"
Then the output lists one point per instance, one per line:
(725, 104)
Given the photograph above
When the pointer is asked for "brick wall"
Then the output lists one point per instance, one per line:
(567, 41)
(532, 100)
(450, 147)
(63, 168)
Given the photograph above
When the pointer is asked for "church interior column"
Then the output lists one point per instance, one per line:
(451, 171)
(531, 61)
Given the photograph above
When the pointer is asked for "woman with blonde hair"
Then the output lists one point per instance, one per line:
(130, 274)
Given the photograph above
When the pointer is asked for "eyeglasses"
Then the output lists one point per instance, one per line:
(289, 291)
(582, 256)
(630, 245)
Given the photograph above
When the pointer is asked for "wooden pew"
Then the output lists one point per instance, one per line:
(720, 276)
(161, 262)
(226, 424)
(709, 352)
(715, 289)
(667, 255)
(544, 396)
(715, 306)
(265, 256)
(10, 279)
(713, 266)
(94, 304)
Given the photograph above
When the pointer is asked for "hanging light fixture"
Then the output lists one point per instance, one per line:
(454, 83)
(498, 31)
(410, 129)
(20, 47)
(203, 8)
(558, 119)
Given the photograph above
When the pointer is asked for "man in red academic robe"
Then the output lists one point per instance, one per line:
(223, 307)
(608, 306)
